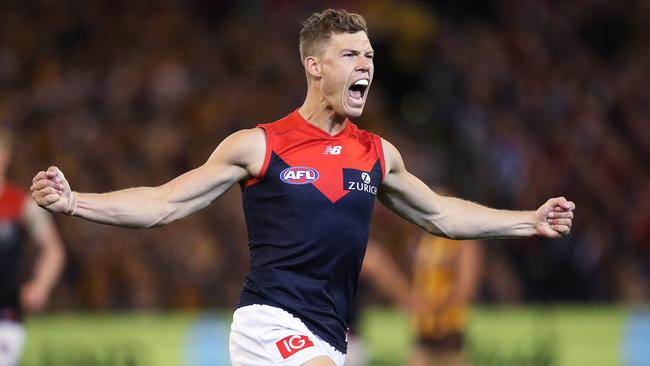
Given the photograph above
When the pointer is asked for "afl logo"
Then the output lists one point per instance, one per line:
(299, 175)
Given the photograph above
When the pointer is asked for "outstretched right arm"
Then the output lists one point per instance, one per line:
(237, 158)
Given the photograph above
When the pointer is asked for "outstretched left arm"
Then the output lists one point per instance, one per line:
(409, 197)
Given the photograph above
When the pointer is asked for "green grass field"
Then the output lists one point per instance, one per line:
(561, 336)
(106, 339)
(564, 336)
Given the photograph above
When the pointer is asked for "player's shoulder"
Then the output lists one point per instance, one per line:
(363, 135)
(390, 151)
(280, 126)
(247, 135)
(245, 141)
(392, 157)
(243, 147)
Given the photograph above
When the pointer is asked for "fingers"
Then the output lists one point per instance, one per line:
(53, 177)
(52, 172)
(560, 214)
(568, 205)
(40, 175)
(46, 183)
(561, 217)
(47, 191)
(44, 191)
(556, 214)
(562, 229)
(562, 222)
(51, 190)
(48, 199)
(561, 204)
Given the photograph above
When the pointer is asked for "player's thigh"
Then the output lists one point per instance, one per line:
(320, 361)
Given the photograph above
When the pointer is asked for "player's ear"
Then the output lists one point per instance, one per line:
(313, 66)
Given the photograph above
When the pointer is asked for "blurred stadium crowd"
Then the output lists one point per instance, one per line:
(503, 102)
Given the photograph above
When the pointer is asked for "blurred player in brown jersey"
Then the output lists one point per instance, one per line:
(21, 219)
(445, 278)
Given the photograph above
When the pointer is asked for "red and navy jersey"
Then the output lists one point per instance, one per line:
(308, 215)
(12, 237)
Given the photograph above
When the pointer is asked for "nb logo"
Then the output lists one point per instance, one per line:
(292, 344)
(333, 150)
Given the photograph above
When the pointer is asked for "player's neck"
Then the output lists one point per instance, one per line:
(316, 111)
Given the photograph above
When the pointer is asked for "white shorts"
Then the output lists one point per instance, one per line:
(263, 335)
(12, 338)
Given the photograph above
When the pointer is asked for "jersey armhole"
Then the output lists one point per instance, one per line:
(267, 157)
(379, 146)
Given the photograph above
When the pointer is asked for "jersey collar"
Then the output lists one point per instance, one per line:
(313, 130)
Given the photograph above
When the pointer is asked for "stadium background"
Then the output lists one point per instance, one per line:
(504, 102)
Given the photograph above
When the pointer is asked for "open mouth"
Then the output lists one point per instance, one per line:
(358, 90)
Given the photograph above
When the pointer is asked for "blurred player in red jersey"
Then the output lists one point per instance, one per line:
(309, 182)
(20, 220)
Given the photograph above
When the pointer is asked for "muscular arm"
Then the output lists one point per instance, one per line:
(238, 157)
(454, 218)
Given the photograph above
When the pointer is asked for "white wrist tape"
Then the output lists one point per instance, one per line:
(72, 205)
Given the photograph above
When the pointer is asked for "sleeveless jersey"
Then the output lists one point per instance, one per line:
(308, 215)
(434, 279)
(12, 237)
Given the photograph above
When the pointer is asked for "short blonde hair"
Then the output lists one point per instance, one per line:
(319, 26)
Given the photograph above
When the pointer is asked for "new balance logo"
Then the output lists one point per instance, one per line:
(333, 150)
(292, 344)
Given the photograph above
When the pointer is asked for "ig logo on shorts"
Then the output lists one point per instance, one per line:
(299, 175)
(292, 344)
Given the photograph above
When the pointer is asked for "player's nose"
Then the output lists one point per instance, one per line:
(364, 64)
